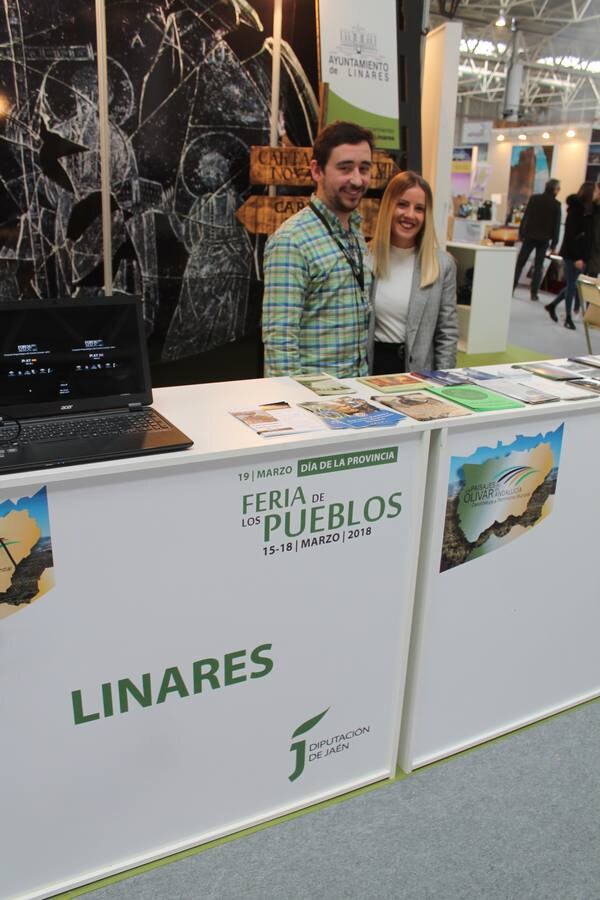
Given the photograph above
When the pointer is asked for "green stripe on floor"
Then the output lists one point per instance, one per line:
(512, 354)
(400, 775)
(201, 848)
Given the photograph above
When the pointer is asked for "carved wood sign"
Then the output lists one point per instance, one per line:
(291, 166)
(263, 215)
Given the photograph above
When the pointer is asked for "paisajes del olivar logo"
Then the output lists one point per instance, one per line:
(515, 475)
(498, 493)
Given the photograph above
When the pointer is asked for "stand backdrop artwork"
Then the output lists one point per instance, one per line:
(189, 88)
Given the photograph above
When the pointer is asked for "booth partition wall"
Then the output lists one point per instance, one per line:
(184, 90)
(126, 129)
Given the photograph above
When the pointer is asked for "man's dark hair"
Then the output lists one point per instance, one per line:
(552, 186)
(339, 133)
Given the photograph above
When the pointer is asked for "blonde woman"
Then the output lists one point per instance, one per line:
(414, 324)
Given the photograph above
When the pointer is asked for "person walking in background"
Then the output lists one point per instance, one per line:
(414, 321)
(539, 229)
(317, 276)
(575, 249)
(593, 266)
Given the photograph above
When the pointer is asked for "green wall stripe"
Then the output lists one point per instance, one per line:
(385, 128)
(399, 776)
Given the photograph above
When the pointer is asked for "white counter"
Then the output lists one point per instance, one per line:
(219, 637)
(222, 635)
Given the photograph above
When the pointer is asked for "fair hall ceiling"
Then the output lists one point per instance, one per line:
(558, 43)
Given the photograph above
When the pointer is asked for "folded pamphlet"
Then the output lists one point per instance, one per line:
(441, 376)
(324, 385)
(277, 419)
(563, 390)
(478, 374)
(477, 398)
(586, 360)
(351, 412)
(547, 370)
(588, 384)
(393, 383)
(580, 370)
(422, 405)
(519, 391)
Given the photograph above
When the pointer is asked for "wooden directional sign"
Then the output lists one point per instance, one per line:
(291, 166)
(263, 215)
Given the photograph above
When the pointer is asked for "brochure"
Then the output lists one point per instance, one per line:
(324, 385)
(351, 412)
(478, 375)
(422, 405)
(276, 419)
(588, 384)
(547, 370)
(477, 398)
(394, 383)
(587, 360)
(519, 391)
(440, 376)
(579, 369)
(562, 389)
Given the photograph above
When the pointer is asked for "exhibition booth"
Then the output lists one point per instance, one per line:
(196, 642)
(223, 635)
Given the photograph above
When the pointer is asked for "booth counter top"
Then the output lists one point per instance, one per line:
(202, 411)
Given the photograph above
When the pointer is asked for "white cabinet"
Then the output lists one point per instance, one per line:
(483, 326)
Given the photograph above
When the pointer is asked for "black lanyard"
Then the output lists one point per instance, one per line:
(358, 270)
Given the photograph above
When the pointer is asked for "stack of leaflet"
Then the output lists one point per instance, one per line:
(351, 412)
(394, 384)
(459, 388)
(421, 405)
(544, 382)
(324, 385)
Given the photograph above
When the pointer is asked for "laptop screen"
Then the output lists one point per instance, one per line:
(64, 356)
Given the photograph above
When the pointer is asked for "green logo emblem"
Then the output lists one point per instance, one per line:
(299, 747)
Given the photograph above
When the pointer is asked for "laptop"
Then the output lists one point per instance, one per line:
(75, 384)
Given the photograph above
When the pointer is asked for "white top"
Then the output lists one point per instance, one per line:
(392, 296)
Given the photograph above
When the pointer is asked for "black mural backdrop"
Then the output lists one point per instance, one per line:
(50, 232)
(188, 92)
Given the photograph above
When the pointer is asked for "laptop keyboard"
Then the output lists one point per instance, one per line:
(91, 426)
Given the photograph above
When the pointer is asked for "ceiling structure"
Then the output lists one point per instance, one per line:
(557, 42)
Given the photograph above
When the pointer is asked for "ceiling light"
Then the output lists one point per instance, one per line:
(571, 133)
(500, 137)
(522, 137)
(500, 21)
(546, 135)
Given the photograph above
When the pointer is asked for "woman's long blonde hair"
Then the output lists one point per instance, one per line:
(427, 242)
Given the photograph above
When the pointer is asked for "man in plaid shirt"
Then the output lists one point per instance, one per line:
(317, 274)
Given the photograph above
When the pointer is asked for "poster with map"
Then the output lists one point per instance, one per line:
(497, 494)
(26, 565)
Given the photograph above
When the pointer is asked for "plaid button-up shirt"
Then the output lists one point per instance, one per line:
(315, 316)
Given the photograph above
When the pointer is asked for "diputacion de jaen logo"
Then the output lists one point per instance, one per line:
(299, 747)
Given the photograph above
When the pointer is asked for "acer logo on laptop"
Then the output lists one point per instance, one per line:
(67, 406)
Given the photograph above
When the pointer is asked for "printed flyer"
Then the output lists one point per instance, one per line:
(26, 566)
(497, 494)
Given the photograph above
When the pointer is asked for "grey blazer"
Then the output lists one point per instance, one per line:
(432, 323)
